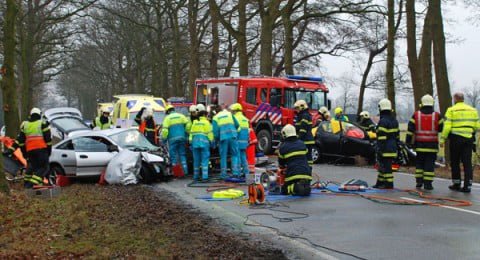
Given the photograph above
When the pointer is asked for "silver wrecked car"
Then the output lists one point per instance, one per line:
(88, 154)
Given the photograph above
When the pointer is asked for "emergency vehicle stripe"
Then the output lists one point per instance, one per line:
(264, 109)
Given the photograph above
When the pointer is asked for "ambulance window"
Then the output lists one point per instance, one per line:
(252, 95)
(263, 95)
(275, 97)
(202, 93)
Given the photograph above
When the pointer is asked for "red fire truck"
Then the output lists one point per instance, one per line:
(267, 101)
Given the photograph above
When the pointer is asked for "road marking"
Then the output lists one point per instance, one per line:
(447, 207)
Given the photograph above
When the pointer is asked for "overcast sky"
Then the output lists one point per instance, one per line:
(463, 56)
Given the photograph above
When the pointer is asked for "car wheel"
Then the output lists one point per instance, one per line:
(55, 170)
(316, 154)
(264, 138)
(147, 173)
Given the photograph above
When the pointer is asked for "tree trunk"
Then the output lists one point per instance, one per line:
(425, 56)
(242, 38)
(363, 84)
(8, 83)
(215, 44)
(194, 65)
(412, 51)
(288, 41)
(268, 17)
(391, 53)
(439, 58)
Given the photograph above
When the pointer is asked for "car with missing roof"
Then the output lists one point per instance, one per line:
(64, 121)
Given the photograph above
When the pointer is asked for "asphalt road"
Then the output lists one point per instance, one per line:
(355, 225)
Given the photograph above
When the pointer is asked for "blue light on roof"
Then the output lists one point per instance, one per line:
(306, 78)
(131, 103)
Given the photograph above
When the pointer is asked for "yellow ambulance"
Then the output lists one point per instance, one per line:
(126, 108)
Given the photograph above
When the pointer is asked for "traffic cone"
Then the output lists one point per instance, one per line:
(102, 180)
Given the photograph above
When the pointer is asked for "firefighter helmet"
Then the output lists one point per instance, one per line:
(300, 104)
(169, 108)
(149, 112)
(427, 100)
(385, 104)
(104, 110)
(323, 110)
(192, 109)
(200, 108)
(236, 107)
(35, 110)
(365, 114)
(288, 131)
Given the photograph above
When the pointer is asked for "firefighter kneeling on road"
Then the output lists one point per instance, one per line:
(35, 141)
(201, 139)
(292, 155)
(387, 136)
(423, 130)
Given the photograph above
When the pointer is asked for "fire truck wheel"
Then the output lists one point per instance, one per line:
(264, 141)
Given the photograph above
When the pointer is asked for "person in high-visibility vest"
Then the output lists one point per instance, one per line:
(339, 115)
(303, 127)
(225, 127)
(292, 155)
(201, 139)
(423, 130)
(461, 124)
(387, 136)
(174, 131)
(243, 136)
(35, 140)
(103, 121)
(193, 113)
(147, 125)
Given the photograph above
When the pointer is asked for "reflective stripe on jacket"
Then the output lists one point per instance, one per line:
(426, 127)
(387, 135)
(201, 133)
(292, 154)
(303, 126)
(174, 127)
(462, 120)
(225, 126)
(98, 122)
(243, 130)
(34, 135)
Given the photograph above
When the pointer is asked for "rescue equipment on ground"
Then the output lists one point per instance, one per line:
(228, 194)
(353, 185)
(256, 194)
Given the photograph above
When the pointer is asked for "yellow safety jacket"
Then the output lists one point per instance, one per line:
(461, 120)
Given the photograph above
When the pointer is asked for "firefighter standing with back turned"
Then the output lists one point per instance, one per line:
(225, 127)
(303, 127)
(201, 139)
(423, 130)
(35, 141)
(387, 136)
(292, 155)
(461, 124)
(174, 131)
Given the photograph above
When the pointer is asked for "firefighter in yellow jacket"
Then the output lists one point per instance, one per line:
(35, 141)
(461, 124)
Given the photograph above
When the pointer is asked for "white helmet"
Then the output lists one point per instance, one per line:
(385, 104)
(148, 112)
(192, 109)
(365, 114)
(200, 108)
(35, 111)
(105, 110)
(288, 131)
(323, 110)
(300, 104)
(427, 100)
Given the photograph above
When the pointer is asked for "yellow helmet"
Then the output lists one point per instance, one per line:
(338, 110)
(365, 114)
(427, 100)
(288, 131)
(300, 104)
(385, 104)
(169, 107)
(236, 107)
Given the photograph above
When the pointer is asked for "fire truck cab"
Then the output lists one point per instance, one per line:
(267, 101)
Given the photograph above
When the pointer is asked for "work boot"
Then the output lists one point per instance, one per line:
(428, 185)
(455, 187)
(379, 185)
(388, 185)
(419, 182)
(466, 189)
(195, 177)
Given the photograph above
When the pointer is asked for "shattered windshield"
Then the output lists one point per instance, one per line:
(314, 99)
(132, 140)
